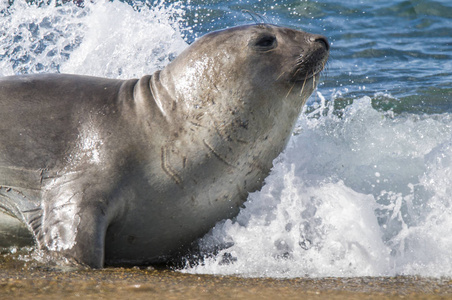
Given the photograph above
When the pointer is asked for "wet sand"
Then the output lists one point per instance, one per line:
(25, 280)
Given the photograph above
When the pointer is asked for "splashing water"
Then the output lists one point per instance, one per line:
(102, 39)
(364, 194)
(358, 192)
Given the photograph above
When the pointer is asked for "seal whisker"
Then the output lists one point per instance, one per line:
(290, 90)
(280, 75)
(313, 80)
(304, 82)
(295, 73)
(257, 18)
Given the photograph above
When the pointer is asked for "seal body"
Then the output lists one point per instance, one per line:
(131, 172)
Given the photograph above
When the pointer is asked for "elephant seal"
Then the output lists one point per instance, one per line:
(114, 172)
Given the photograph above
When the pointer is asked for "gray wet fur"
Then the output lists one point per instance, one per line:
(133, 171)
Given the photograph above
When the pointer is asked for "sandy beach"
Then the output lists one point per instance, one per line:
(22, 280)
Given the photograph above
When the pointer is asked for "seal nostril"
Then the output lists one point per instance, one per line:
(324, 41)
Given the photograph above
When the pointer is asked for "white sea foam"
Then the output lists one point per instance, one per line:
(324, 212)
(110, 39)
(121, 42)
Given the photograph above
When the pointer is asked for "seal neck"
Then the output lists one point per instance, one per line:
(152, 99)
(161, 98)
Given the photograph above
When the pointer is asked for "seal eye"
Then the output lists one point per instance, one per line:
(265, 42)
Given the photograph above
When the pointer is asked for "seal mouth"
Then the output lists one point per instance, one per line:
(308, 75)
(307, 68)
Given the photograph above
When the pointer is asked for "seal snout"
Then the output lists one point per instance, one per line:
(313, 57)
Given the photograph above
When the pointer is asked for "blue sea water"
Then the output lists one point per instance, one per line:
(365, 185)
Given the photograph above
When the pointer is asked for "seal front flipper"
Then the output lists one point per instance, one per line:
(89, 241)
(74, 225)
(58, 223)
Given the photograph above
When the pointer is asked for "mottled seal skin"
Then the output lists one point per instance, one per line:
(131, 172)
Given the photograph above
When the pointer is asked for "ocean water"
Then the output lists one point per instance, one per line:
(364, 187)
